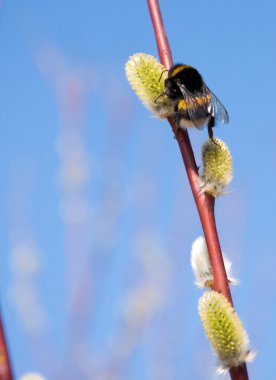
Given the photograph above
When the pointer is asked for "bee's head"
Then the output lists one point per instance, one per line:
(172, 89)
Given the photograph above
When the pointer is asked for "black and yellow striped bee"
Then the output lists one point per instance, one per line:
(195, 104)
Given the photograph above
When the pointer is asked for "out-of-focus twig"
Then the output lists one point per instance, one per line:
(5, 365)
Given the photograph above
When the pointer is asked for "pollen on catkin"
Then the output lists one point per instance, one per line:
(201, 265)
(217, 167)
(224, 330)
(146, 76)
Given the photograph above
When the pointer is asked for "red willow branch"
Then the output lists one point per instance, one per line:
(5, 366)
(205, 203)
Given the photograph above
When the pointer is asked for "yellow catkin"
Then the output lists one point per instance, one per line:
(217, 167)
(224, 330)
(146, 76)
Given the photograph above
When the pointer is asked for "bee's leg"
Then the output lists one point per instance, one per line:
(176, 122)
(176, 129)
(211, 124)
(210, 133)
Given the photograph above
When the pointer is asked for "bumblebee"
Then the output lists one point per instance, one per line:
(195, 104)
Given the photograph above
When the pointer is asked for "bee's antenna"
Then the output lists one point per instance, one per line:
(164, 92)
(160, 96)
(162, 74)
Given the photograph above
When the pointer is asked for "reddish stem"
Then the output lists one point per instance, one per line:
(205, 203)
(239, 373)
(5, 366)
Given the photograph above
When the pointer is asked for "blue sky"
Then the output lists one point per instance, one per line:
(97, 213)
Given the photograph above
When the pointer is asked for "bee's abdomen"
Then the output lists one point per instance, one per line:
(198, 105)
(188, 115)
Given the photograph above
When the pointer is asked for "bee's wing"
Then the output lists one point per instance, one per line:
(216, 108)
(197, 106)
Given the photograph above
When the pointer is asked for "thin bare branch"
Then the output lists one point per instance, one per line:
(205, 203)
(5, 366)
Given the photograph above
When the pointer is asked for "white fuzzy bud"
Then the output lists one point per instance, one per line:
(201, 265)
